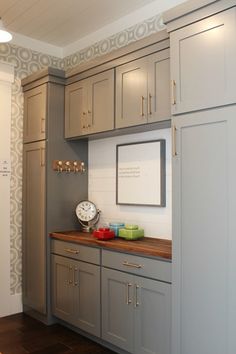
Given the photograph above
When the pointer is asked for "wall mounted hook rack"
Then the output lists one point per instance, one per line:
(68, 166)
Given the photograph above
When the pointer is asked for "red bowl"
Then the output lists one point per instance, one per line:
(104, 233)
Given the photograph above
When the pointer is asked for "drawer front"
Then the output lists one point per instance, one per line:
(76, 251)
(151, 268)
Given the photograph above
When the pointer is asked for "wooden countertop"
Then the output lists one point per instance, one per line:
(147, 246)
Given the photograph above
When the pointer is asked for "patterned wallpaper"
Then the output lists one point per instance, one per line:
(26, 62)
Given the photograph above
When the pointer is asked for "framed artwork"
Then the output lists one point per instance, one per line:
(140, 173)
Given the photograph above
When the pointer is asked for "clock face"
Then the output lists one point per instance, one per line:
(86, 210)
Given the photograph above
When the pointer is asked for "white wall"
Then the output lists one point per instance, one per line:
(156, 221)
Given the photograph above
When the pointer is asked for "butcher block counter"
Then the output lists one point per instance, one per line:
(147, 246)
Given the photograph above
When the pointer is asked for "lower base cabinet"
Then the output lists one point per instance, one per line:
(76, 293)
(136, 312)
(123, 298)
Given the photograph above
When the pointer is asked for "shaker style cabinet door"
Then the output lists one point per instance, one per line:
(35, 114)
(101, 102)
(34, 243)
(117, 308)
(158, 96)
(152, 316)
(76, 293)
(131, 93)
(89, 105)
(204, 229)
(87, 298)
(143, 90)
(76, 109)
(62, 288)
(203, 57)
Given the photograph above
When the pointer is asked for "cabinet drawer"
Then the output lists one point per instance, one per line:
(151, 268)
(76, 251)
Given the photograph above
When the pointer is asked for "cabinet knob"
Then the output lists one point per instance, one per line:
(84, 113)
(89, 112)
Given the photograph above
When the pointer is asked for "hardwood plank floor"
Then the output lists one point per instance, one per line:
(21, 334)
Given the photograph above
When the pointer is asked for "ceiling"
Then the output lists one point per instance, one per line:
(62, 22)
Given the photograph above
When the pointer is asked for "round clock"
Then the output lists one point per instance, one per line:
(87, 214)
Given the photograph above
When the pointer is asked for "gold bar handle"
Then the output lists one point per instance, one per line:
(132, 265)
(70, 281)
(43, 125)
(42, 157)
(70, 250)
(136, 303)
(74, 276)
(142, 103)
(150, 104)
(174, 152)
(128, 301)
(173, 92)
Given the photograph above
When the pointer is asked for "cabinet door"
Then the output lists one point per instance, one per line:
(62, 288)
(35, 114)
(101, 102)
(76, 115)
(87, 297)
(34, 243)
(159, 86)
(204, 229)
(152, 321)
(131, 93)
(203, 63)
(117, 308)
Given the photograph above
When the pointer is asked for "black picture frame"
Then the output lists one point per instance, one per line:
(141, 173)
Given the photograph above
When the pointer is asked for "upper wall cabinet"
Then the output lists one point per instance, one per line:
(89, 105)
(35, 112)
(203, 57)
(142, 90)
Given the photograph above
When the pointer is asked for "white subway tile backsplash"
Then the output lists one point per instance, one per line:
(156, 221)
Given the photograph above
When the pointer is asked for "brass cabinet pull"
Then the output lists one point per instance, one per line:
(142, 102)
(74, 276)
(150, 104)
(133, 265)
(136, 303)
(42, 157)
(70, 250)
(173, 92)
(43, 125)
(173, 129)
(70, 281)
(128, 300)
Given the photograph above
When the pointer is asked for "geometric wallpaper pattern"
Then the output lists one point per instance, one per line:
(26, 62)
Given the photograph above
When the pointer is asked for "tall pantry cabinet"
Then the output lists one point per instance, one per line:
(203, 53)
(49, 197)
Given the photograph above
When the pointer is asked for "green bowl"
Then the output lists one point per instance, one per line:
(131, 234)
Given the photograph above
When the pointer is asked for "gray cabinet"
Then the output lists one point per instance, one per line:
(35, 114)
(76, 293)
(34, 243)
(49, 198)
(89, 105)
(117, 309)
(203, 58)
(143, 91)
(204, 228)
(136, 312)
(63, 288)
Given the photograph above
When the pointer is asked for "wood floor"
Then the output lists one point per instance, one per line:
(20, 334)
